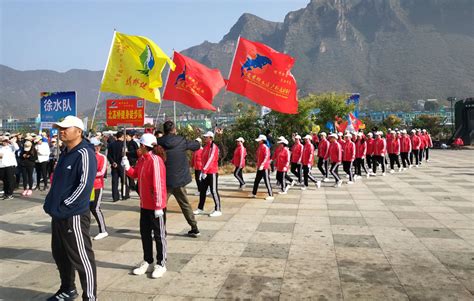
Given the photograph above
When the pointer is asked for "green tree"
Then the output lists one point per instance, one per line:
(431, 123)
(330, 105)
(391, 122)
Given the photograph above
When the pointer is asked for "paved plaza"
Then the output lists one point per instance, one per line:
(405, 236)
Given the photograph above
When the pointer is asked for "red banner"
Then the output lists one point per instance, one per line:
(192, 83)
(263, 75)
(125, 111)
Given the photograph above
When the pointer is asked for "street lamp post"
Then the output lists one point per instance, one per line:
(452, 100)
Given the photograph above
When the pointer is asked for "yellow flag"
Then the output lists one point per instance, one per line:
(134, 67)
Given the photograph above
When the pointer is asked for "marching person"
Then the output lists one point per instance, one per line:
(405, 149)
(196, 163)
(282, 165)
(8, 165)
(274, 156)
(422, 146)
(370, 151)
(348, 157)
(114, 155)
(240, 153)
(380, 149)
(296, 153)
(335, 155)
(323, 149)
(307, 161)
(43, 151)
(67, 202)
(209, 175)
(98, 189)
(416, 145)
(394, 152)
(361, 153)
(27, 163)
(151, 174)
(263, 166)
(428, 144)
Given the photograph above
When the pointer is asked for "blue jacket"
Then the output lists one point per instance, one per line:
(73, 181)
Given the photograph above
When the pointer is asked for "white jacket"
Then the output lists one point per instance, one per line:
(7, 154)
(43, 152)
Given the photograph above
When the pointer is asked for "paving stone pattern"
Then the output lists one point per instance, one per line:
(405, 236)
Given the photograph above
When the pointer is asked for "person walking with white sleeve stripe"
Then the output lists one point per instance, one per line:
(68, 204)
(239, 161)
(263, 166)
(98, 189)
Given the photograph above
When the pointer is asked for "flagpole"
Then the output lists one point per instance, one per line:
(232, 63)
(103, 75)
(174, 112)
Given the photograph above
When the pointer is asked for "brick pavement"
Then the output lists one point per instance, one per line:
(405, 236)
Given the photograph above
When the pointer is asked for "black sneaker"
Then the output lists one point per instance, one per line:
(194, 232)
(8, 197)
(63, 296)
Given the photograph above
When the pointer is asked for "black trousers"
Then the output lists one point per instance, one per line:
(421, 152)
(197, 177)
(153, 227)
(370, 160)
(347, 167)
(72, 250)
(321, 163)
(415, 153)
(211, 182)
(378, 160)
(7, 174)
(404, 159)
(41, 173)
(427, 153)
(334, 170)
(239, 176)
(282, 177)
(96, 212)
(27, 175)
(394, 159)
(307, 175)
(265, 175)
(117, 173)
(296, 170)
(359, 164)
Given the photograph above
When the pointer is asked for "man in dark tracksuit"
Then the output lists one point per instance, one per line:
(177, 170)
(68, 204)
(114, 155)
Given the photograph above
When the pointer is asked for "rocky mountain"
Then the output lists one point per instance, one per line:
(384, 49)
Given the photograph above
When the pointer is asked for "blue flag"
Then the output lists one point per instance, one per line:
(330, 126)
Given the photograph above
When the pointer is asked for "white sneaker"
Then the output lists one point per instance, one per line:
(400, 169)
(339, 184)
(326, 180)
(404, 168)
(208, 192)
(350, 182)
(215, 213)
(197, 193)
(287, 188)
(303, 188)
(392, 171)
(347, 176)
(252, 196)
(417, 166)
(293, 183)
(283, 192)
(199, 212)
(142, 268)
(269, 198)
(355, 177)
(410, 166)
(383, 174)
(318, 184)
(101, 235)
(158, 271)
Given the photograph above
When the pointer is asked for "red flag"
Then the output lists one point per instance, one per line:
(263, 75)
(192, 83)
(340, 124)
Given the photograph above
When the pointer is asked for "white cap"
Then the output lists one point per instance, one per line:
(240, 139)
(261, 138)
(339, 134)
(38, 139)
(370, 134)
(360, 134)
(333, 135)
(424, 131)
(283, 140)
(198, 140)
(379, 133)
(392, 132)
(95, 141)
(53, 139)
(349, 135)
(403, 131)
(298, 137)
(148, 140)
(323, 134)
(308, 137)
(209, 134)
(70, 121)
(413, 131)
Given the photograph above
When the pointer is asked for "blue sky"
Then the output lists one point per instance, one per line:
(64, 34)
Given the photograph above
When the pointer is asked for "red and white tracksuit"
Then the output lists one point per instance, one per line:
(282, 164)
(240, 153)
(361, 153)
(296, 153)
(380, 149)
(307, 161)
(210, 169)
(263, 165)
(394, 152)
(335, 155)
(405, 150)
(323, 149)
(98, 189)
(348, 157)
(196, 163)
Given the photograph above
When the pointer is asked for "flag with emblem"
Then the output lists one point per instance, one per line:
(134, 67)
(192, 83)
(263, 75)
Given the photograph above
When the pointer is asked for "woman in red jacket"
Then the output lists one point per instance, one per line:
(196, 163)
(151, 174)
(296, 153)
(323, 149)
(263, 166)
(98, 188)
(209, 175)
(307, 160)
(405, 149)
(335, 155)
(370, 151)
(239, 161)
(415, 144)
(361, 152)
(428, 144)
(282, 161)
(380, 150)
(348, 157)
(394, 152)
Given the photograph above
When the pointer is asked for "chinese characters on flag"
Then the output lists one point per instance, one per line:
(263, 75)
(125, 111)
(193, 84)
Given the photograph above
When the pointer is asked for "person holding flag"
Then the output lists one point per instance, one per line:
(296, 154)
(263, 168)
(335, 155)
(209, 175)
(323, 149)
(240, 153)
